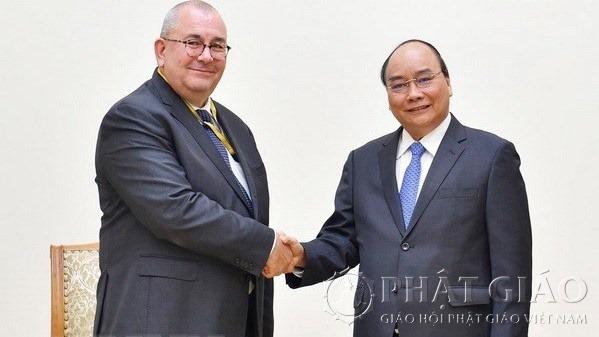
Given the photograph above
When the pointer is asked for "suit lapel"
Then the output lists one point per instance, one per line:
(239, 140)
(180, 111)
(387, 161)
(449, 151)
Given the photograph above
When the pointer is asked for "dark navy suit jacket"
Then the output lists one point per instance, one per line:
(178, 246)
(471, 220)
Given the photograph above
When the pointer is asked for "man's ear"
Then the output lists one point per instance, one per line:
(449, 86)
(159, 48)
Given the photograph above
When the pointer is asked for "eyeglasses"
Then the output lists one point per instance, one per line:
(195, 48)
(422, 81)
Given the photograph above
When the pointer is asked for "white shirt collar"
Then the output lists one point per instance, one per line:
(431, 141)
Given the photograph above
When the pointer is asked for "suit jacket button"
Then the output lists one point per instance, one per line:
(405, 246)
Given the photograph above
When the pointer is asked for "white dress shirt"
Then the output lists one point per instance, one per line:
(431, 144)
(235, 166)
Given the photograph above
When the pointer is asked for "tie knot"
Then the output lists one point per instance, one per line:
(205, 115)
(417, 149)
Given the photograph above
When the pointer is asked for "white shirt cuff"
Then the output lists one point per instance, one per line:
(298, 272)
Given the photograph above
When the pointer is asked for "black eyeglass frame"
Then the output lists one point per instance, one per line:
(199, 47)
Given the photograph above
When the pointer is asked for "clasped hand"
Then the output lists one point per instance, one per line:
(286, 255)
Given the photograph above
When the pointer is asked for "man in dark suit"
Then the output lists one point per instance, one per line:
(436, 215)
(184, 238)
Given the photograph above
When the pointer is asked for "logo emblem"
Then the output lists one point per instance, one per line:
(341, 290)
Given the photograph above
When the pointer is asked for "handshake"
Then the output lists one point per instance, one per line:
(286, 255)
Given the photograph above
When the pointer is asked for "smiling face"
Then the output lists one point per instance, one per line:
(193, 78)
(419, 110)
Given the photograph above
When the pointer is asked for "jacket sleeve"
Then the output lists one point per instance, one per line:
(510, 242)
(136, 156)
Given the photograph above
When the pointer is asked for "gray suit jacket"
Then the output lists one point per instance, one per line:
(178, 246)
(471, 220)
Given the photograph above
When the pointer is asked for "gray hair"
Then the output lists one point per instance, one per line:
(172, 16)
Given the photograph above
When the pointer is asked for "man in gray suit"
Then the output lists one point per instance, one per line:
(436, 215)
(184, 238)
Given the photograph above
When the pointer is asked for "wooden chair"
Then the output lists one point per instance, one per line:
(75, 271)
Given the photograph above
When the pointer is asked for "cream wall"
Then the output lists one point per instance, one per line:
(304, 76)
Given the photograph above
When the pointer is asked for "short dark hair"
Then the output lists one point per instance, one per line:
(439, 58)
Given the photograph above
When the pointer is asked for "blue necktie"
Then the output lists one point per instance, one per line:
(409, 186)
(206, 117)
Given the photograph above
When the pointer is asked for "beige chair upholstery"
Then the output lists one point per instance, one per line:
(75, 273)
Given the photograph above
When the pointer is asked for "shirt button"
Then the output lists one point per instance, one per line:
(405, 246)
